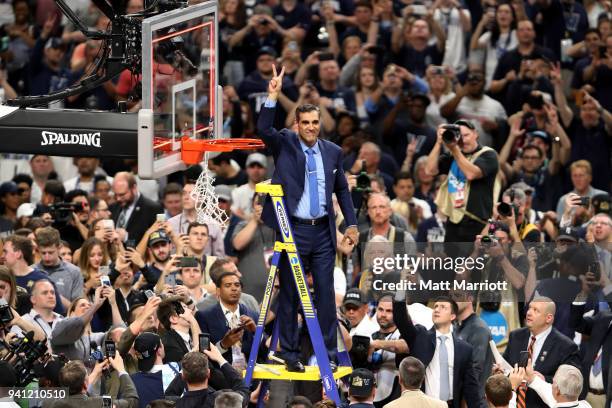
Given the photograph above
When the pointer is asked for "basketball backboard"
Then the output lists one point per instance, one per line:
(180, 91)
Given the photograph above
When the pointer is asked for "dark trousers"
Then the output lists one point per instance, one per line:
(317, 252)
(459, 238)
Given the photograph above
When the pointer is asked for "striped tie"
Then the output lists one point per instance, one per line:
(521, 392)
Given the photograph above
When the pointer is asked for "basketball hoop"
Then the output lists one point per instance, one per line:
(206, 200)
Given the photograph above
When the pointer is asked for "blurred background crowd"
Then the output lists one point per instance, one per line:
(84, 239)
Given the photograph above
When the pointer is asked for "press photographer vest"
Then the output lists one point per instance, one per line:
(445, 200)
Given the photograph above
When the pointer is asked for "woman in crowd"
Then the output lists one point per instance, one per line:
(92, 255)
(73, 336)
(367, 83)
(495, 34)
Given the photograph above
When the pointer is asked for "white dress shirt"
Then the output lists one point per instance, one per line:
(537, 346)
(432, 373)
(544, 390)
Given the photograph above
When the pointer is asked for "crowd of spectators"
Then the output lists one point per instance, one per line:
(95, 258)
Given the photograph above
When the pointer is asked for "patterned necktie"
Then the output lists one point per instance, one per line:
(521, 392)
(444, 376)
(313, 185)
(597, 364)
(122, 221)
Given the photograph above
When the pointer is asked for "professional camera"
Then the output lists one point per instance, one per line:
(61, 212)
(451, 133)
(363, 180)
(6, 314)
(23, 353)
(505, 209)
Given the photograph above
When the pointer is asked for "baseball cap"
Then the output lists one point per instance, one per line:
(540, 134)
(257, 158)
(223, 192)
(524, 187)
(601, 203)
(146, 345)
(8, 187)
(568, 234)
(25, 210)
(353, 297)
(266, 50)
(361, 383)
(158, 236)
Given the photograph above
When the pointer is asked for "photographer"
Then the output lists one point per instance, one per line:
(503, 264)
(466, 196)
(512, 212)
(74, 377)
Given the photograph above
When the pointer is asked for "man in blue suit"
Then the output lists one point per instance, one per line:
(310, 171)
(229, 323)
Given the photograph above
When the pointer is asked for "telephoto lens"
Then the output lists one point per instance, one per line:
(504, 209)
(451, 133)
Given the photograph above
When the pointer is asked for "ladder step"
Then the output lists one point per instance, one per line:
(312, 373)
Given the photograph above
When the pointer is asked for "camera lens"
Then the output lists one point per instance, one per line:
(449, 135)
(504, 209)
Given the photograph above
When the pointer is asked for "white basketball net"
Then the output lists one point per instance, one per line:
(206, 201)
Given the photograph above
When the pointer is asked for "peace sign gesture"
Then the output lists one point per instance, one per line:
(276, 83)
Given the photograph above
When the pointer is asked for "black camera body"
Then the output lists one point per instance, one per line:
(363, 180)
(451, 133)
(505, 209)
(6, 314)
(61, 212)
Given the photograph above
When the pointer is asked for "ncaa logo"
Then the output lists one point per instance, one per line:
(294, 260)
(327, 382)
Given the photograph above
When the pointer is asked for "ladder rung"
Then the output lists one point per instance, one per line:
(312, 373)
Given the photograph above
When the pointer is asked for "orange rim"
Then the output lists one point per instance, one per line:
(192, 151)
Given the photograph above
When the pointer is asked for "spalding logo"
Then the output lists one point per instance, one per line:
(81, 139)
(282, 219)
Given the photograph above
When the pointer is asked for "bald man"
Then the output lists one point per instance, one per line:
(132, 212)
(547, 347)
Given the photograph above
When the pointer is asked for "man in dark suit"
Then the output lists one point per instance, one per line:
(310, 171)
(182, 331)
(548, 348)
(227, 320)
(436, 348)
(596, 353)
(133, 212)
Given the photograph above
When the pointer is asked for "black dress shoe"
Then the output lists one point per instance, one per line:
(333, 366)
(295, 366)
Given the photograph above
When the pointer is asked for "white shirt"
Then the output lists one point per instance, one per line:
(387, 371)
(88, 186)
(537, 346)
(186, 338)
(242, 198)
(432, 372)
(544, 390)
(34, 317)
(596, 381)
(479, 109)
(450, 22)
(366, 327)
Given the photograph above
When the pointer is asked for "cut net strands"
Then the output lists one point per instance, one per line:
(206, 200)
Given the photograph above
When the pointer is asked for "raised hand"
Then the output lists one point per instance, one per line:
(276, 83)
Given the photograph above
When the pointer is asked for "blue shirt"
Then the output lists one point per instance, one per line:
(303, 208)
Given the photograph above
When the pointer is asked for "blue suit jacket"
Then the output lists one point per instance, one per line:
(422, 345)
(213, 321)
(290, 163)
